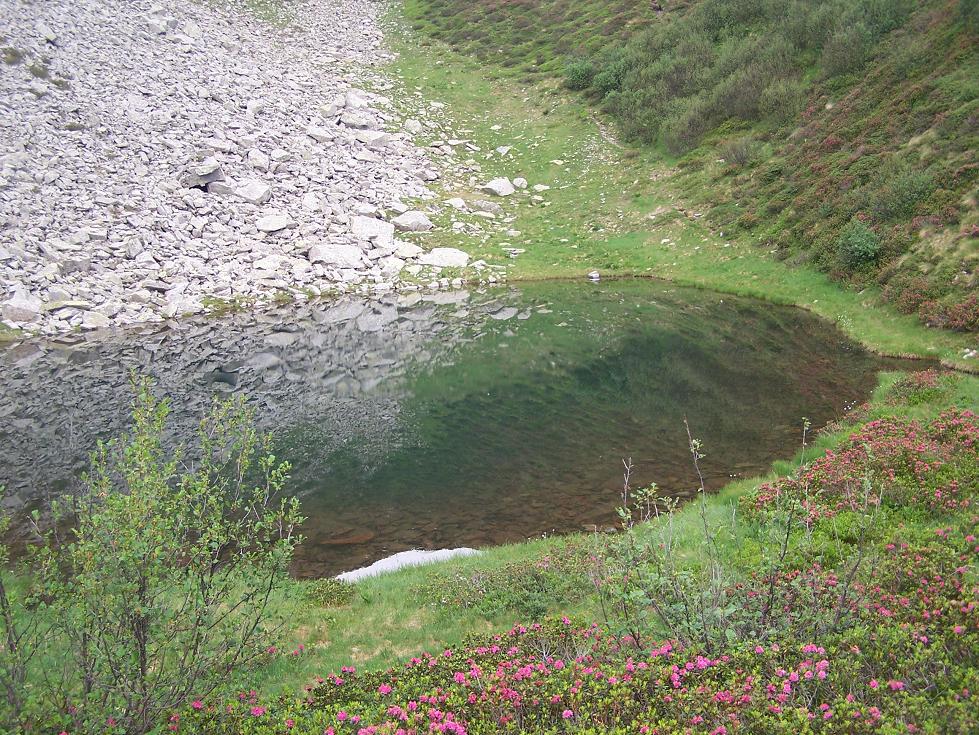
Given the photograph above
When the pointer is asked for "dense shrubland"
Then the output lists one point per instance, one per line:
(840, 133)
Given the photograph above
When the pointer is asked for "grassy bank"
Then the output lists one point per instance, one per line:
(881, 657)
(384, 620)
(618, 209)
(841, 134)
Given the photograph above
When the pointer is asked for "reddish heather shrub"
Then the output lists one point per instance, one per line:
(893, 461)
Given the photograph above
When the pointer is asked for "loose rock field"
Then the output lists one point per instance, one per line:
(157, 158)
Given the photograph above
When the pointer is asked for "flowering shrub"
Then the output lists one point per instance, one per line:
(912, 670)
(892, 461)
(816, 643)
(914, 389)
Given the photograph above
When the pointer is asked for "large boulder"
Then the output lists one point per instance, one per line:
(21, 307)
(373, 230)
(254, 192)
(275, 222)
(413, 221)
(498, 187)
(341, 256)
(445, 258)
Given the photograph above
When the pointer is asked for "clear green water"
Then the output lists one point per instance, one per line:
(460, 419)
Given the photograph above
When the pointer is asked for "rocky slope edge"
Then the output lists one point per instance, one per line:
(158, 157)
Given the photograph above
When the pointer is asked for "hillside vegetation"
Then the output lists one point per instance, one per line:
(841, 133)
(837, 598)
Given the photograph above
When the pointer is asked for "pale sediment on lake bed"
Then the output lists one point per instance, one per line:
(413, 558)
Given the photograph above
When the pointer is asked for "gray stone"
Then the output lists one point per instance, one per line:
(254, 192)
(413, 221)
(341, 256)
(320, 134)
(445, 258)
(356, 120)
(94, 320)
(203, 173)
(378, 231)
(500, 187)
(21, 307)
(275, 222)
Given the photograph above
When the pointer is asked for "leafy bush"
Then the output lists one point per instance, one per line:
(161, 587)
(782, 100)
(857, 245)
(578, 75)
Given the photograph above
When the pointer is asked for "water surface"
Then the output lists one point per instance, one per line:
(450, 419)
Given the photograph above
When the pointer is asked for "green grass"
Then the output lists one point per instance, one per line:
(795, 128)
(393, 616)
(611, 207)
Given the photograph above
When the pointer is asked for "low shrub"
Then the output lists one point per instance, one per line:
(578, 75)
(526, 588)
(897, 462)
(857, 245)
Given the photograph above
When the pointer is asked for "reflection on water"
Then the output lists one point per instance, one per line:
(456, 419)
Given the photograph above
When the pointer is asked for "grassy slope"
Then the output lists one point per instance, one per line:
(533, 36)
(603, 214)
(599, 211)
(903, 157)
(395, 616)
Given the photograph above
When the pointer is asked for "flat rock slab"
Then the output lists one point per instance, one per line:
(413, 221)
(274, 223)
(445, 258)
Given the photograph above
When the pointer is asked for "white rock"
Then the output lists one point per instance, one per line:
(21, 307)
(355, 99)
(311, 202)
(520, 183)
(356, 120)
(378, 231)
(445, 258)
(373, 138)
(500, 187)
(342, 256)
(320, 134)
(412, 126)
(457, 203)
(275, 222)
(413, 221)
(203, 173)
(254, 192)
(94, 320)
(408, 250)
(258, 159)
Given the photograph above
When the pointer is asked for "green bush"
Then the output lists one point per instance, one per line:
(579, 74)
(857, 245)
(782, 100)
(968, 12)
(846, 51)
(161, 587)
